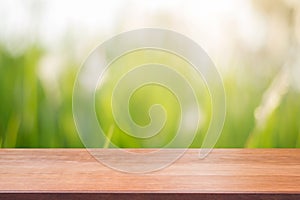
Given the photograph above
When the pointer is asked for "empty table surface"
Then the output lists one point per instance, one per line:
(223, 174)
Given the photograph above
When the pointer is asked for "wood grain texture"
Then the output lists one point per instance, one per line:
(224, 173)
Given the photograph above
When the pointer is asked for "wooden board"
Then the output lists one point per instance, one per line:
(223, 174)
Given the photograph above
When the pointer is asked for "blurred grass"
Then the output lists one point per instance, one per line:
(147, 96)
(31, 116)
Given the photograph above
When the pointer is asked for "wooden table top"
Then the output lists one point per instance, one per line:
(224, 171)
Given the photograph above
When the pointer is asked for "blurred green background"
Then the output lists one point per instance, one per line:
(254, 44)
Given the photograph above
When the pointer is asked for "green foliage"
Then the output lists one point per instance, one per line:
(32, 116)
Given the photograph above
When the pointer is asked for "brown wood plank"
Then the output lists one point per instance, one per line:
(223, 174)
